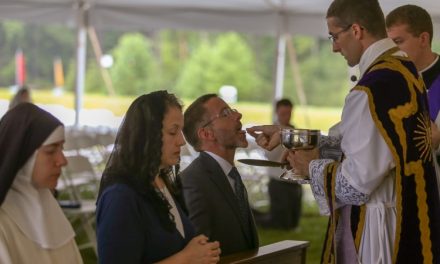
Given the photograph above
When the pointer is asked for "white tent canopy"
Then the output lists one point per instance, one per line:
(254, 16)
(270, 17)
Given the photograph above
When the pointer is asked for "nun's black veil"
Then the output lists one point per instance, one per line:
(22, 131)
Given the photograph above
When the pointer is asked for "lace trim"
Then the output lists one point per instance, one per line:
(316, 169)
(345, 193)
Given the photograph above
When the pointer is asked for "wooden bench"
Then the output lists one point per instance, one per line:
(283, 252)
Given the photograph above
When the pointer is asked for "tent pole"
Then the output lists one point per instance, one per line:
(280, 56)
(96, 45)
(298, 79)
(81, 53)
(279, 71)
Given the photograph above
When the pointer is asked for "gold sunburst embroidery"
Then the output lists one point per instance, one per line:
(422, 137)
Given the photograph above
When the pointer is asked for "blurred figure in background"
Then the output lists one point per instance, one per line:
(140, 213)
(285, 197)
(33, 228)
(23, 95)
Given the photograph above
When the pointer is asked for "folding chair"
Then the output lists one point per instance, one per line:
(85, 214)
(80, 183)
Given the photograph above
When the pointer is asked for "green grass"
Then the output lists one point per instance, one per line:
(311, 228)
(118, 104)
(253, 113)
(312, 225)
(88, 254)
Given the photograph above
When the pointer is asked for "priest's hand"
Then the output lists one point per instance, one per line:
(266, 136)
(300, 160)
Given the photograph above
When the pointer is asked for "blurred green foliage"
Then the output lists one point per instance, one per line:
(187, 63)
(135, 70)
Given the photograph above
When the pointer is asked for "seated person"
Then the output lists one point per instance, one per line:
(140, 217)
(214, 191)
(33, 228)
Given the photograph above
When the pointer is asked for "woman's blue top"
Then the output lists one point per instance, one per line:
(129, 231)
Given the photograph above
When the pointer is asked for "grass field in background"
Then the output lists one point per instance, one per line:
(118, 104)
(312, 225)
(312, 228)
(253, 113)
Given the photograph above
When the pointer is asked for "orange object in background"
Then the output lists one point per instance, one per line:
(58, 73)
(20, 68)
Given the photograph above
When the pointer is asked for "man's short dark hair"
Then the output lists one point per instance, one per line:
(414, 17)
(283, 102)
(366, 13)
(194, 117)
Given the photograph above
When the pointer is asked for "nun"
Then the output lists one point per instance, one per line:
(33, 228)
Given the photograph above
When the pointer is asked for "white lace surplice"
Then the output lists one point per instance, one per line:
(365, 176)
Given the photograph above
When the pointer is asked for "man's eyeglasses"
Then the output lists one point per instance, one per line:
(224, 113)
(334, 37)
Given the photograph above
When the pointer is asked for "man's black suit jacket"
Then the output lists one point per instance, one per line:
(213, 207)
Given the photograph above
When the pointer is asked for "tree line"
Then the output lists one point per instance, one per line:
(184, 62)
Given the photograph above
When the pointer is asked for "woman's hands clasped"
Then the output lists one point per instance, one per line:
(200, 251)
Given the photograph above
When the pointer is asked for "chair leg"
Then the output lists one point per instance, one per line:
(90, 232)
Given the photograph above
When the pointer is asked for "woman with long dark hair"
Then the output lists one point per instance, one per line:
(140, 217)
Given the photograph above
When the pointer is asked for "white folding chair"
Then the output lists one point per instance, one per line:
(77, 174)
(80, 183)
(86, 216)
